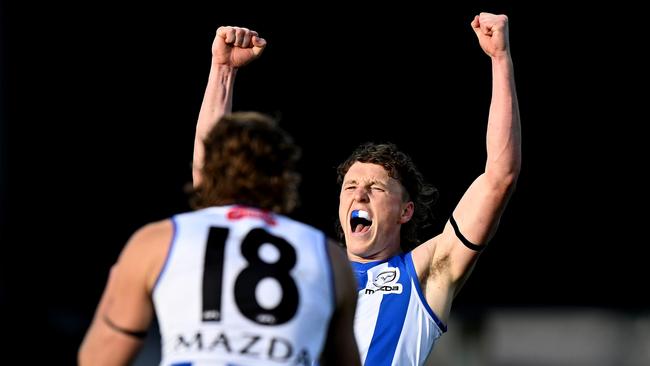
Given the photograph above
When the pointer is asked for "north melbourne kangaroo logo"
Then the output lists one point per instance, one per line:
(385, 281)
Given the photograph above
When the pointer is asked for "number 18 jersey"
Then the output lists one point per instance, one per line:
(241, 286)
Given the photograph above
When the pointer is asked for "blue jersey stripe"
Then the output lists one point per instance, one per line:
(389, 327)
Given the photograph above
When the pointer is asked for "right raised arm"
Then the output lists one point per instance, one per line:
(448, 259)
(341, 345)
(233, 47)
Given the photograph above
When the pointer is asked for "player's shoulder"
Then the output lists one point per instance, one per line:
(151, 235)
(155, 229)
(146, 248)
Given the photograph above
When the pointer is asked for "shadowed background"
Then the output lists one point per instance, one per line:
(100, 103)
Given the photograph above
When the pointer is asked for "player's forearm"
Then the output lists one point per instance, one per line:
(217, 101)
(504, 131)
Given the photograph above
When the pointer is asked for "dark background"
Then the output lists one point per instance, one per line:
(100, 103)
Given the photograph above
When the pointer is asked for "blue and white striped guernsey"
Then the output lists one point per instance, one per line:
(393, 324)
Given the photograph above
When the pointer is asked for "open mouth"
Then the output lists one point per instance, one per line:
(360, 221)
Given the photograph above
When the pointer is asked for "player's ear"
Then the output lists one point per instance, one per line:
(408, 209)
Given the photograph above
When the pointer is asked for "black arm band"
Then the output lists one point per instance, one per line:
(132, 333)
(463, 239)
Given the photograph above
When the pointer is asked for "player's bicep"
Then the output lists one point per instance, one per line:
(472, 224)
(103, 343)
(136, 273)
(479, 210)
(129, 303)
(105, 346)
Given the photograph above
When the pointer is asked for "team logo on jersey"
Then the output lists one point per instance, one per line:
(384, 280)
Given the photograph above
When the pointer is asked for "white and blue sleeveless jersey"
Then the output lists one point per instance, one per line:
(393, 324)
(244, 287)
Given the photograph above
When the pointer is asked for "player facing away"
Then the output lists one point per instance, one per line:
(234, 282)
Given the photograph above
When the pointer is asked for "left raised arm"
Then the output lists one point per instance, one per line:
(232, 48)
